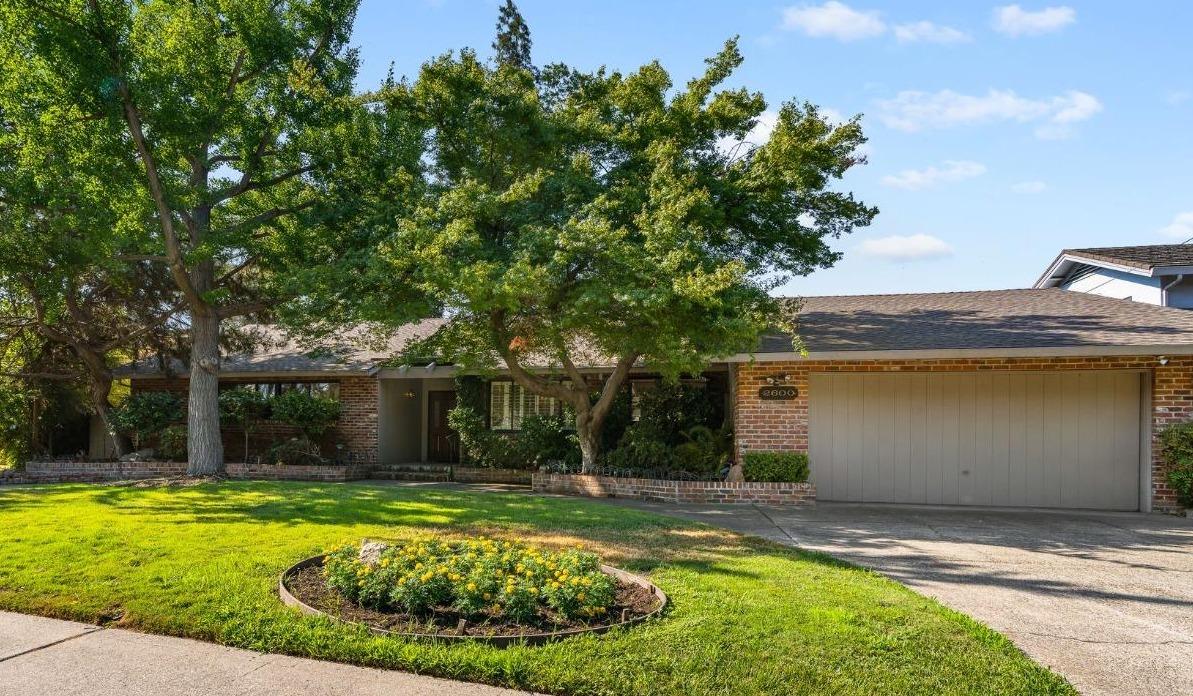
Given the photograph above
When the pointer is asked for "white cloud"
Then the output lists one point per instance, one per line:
(757, 137)
(1181, 226)
(914, 111)
(1013, 20)
(833, 20)
(1177, 96)
(949, 171)
(929, 32)
(1029, 187)
(916, 247)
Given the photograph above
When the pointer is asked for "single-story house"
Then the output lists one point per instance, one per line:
(1160, 274)
(1022, 398)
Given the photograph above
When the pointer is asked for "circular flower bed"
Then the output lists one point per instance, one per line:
(499, 591)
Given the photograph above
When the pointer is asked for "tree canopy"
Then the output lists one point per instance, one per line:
(574, 219)
(244, 128)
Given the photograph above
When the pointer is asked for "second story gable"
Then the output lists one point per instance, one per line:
(1158, 274)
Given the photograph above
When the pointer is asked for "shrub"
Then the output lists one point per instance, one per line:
(638, 451)
(546, 439)
(483, 446)
(245, 407)
(297, 451)
(1176, 447)
(144, 415)
(172, 442)
(477, 577)
(706, 450)
(312, 414)
(779, 467)
(674, 431)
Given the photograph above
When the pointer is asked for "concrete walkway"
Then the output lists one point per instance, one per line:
(41, 656)
(1104, 599)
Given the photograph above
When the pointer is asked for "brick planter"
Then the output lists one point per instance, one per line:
(675, 491)
(97, 472)
(476, 474)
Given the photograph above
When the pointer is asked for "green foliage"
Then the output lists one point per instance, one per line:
(481, 445)
(243, 406)
(546, 439)
(779, 467)
(479, 577)
(1176, 447)
(172, 443)
(675, 430)
(296, 451)
(312, 414)
(512, 44)
(146, 414)
(706, 450)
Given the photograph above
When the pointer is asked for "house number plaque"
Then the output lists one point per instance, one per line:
(778, 393)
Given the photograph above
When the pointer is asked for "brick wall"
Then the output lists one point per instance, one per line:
(783, 425)
(475, 474)
(94, 472)
(356, 429)
(702, 492)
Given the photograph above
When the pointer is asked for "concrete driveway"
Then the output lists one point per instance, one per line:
(1104, 599)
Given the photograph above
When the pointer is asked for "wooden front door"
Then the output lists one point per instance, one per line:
(443, 445)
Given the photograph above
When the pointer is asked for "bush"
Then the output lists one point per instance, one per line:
(1176, 448)
(706, 450)
(478, 577)
(144, 415)
(172, 443)
(483, 446)
(638, 451)
(546, 439)
(778, 467)
(312, 414)
(297, 451)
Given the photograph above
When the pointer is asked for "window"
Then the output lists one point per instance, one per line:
(330, 390)
(509, 403)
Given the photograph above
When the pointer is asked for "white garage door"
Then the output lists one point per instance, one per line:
(1038, 439)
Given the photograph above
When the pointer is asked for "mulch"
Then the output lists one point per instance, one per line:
(307, 585)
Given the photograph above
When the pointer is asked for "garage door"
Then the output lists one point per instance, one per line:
(1038, 439)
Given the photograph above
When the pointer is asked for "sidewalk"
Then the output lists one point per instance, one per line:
(48, 657)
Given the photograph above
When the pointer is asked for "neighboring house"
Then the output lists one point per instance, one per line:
(1022, 398)
(1159, 274)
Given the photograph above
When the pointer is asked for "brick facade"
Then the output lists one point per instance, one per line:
(699, 492)
(783, 425)
(356, 429)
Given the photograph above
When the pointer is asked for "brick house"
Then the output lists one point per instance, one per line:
(1019, 398)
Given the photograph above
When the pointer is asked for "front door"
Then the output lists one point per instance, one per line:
(442, 443)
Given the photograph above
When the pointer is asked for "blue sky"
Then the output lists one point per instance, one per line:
(999, 134)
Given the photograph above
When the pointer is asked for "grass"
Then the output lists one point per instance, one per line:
(748, 616)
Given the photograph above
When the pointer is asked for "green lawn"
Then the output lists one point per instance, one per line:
(748, 616)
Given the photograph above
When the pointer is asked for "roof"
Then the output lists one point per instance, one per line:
(1146, 260)
(1145, 257)
(358, 350)
(989, 322)
(983, 320)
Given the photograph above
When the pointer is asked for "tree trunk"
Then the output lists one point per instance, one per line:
(590, 442)
(204, 447)
(100, 389)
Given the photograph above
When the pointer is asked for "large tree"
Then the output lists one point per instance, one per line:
(70, 208)
(238, 113)
(578, 219)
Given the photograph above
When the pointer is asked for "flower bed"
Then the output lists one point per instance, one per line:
(498, 591)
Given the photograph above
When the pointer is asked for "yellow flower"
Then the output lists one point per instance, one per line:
(418, 566)
(580, 596)
(472, 587)
(487, 596)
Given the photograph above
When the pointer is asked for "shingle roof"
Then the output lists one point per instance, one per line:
(1045, 318)
(1145, 257)
(358, 350)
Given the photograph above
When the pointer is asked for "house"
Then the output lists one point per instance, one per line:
(1020, 398)
(1159, 274)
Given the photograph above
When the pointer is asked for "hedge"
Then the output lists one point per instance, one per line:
(776, 467)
